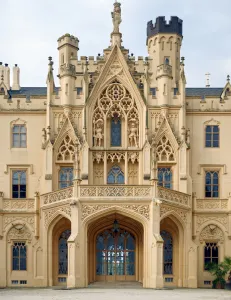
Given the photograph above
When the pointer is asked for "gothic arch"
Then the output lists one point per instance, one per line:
(211, 231)
(165, 150)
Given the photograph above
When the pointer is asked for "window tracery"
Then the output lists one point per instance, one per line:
(66, 151)
(165, 150)
(116, 104)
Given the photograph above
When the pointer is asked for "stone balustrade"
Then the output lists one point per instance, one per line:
(115, 191)
(174, 196)
(19, 204)
(211, 204)
(57, 196)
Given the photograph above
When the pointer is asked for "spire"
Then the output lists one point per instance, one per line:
(116, 36)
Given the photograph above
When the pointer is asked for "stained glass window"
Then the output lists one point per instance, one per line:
(210, 254)
(65, 177)
(115, 131)
(212, 136)
(63, 252)
(19, 136)
(115, 253)
(165, 177)
(212, 184)
(19, 256)
(19, 184)
(115, 176)
(168, 252)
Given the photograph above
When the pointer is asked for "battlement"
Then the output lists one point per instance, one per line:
(175, 25)
(68, 39)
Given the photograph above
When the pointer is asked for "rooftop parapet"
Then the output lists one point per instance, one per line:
(68, 39)
(175, 26)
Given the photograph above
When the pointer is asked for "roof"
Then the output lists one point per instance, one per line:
(203, 92)
(31, 91)
(190, 92)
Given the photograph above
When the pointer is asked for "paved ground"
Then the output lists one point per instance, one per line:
(113, 294)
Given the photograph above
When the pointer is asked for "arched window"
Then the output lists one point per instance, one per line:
(115, 131)
(166, 61)
(212, 184)
(165, 177)
(115, 176)
(168, 251)
(65, 177)
(63, 252)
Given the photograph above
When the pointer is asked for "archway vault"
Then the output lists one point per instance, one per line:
(125, 224)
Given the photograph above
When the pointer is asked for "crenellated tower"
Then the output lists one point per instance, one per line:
(68, 53)
(164, 44)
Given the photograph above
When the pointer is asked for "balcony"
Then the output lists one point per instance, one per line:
(16, 205)
(117, 192)
(211, 205)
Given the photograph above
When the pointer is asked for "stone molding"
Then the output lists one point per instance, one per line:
(211, 233)
(50, 214)
(165, 210)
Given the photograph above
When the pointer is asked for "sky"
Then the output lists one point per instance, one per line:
(30, 29)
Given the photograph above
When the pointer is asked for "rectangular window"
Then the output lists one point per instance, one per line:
(212, 136)
(210, 254)
(165, 177)
(19, 184)
(19, 136)
(65, 177)
(19, 256)
(212, 184)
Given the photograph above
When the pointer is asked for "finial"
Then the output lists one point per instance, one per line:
(228, 78)
(207, 79)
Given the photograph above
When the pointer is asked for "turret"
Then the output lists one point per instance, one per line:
(16, 78)
(164, 43)
(68, 53)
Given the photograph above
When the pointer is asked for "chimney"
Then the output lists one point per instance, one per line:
(7, 76)
(16, 78)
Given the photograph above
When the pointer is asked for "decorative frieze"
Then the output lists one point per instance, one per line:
(173, 196)
(143, 210)
(212, 204)
(12, 219)
(18, 205)
(223, 220)
(19, 233)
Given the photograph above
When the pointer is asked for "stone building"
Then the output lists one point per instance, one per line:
(119, 174)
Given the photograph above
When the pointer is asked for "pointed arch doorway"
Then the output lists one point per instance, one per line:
(115, 251)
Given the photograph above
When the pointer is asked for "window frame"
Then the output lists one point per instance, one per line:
(218, 170)
(11, 181)
(20, 134)
(210, 242)
(172, 171)
(212, 122)
(59, 170)
(19, 257)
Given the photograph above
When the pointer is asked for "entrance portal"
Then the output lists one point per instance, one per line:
(115, 255)
(115, 249)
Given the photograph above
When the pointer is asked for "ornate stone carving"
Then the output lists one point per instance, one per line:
(133, 157)
(98, 134)
(50, 214)
(220, 219)
(133, 133)
(166, 209)
(10, 220)
(212, 204)
(60, 195)
(115, 191)
(98, 156)
(116, 156)
(88, 210)
(165, 151)
(174, 196)
(19, 233)
(48, 177)
(211, 233)
(66, 150)
(18, 204)
(116, 17)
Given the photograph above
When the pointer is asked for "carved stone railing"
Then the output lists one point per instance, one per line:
(67, 69)
(174, 196)
(164, 70)
(115, 191)
(212, 204)
(19, 204)
(57, 196)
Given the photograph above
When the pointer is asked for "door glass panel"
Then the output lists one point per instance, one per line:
(115, 253)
